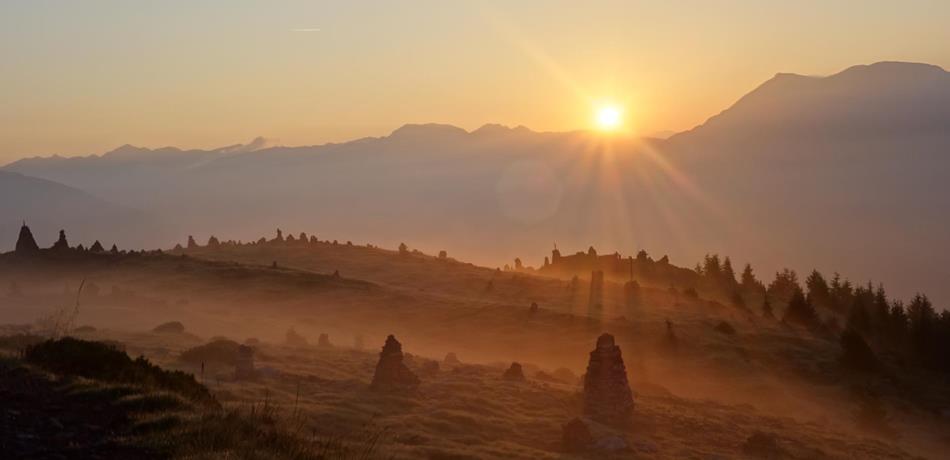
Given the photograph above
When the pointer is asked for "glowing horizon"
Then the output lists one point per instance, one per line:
(85, 78)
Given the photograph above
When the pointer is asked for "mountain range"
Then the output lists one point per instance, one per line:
(840, 173)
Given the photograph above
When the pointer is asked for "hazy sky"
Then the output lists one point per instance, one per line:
(86, 76)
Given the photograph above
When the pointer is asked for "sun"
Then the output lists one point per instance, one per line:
(609, 117)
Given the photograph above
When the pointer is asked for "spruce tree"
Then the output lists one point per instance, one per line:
(799, 311)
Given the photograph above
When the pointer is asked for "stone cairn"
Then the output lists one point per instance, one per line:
(607, 395)
(631, 293)
(576, 436)
(429, 368)
(514, 373)
(294, 339)
(244, 364)
(451, 359)
(596, 289)
(391, 372)
(61, 244)
(25, 243)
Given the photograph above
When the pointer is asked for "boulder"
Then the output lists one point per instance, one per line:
(576, 436)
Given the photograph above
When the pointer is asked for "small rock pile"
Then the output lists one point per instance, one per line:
(294, 339)
(244, 363)
(514, 373)
(451, 359)
(576, 436)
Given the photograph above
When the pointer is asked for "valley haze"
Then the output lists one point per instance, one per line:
(844, 173)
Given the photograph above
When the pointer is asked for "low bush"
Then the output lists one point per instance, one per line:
(103, 362)
(221, 351)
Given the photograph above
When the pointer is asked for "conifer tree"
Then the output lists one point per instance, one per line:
(767, 308)
(728, 274)
(799, 311)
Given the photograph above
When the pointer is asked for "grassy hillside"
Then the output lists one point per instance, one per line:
(704, 396)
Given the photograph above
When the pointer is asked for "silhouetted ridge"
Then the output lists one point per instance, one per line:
(893, 98)
(427, 132)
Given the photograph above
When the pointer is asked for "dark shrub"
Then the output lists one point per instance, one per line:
(171, 327)
(725, 328)
(99, 361)
(17, 342)
(222, 351)
(762, 445)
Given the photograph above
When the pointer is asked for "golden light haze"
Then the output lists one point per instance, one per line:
(85, 77)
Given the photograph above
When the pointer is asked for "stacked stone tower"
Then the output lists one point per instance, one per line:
(25, 243)
(61, 244)
(596, 289)
(391, 371)
(607, 395)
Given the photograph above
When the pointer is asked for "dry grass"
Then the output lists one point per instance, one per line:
(703, 400)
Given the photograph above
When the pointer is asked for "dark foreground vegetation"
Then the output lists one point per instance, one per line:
(72, 398)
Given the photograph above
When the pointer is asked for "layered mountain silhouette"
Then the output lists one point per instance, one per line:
(845, 172)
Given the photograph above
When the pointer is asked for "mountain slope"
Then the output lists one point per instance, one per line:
(48, 206)
(886, 100)
(841, 173)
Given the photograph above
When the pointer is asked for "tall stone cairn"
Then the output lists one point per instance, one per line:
(61, 244)
(244, 364)
(391, 371)
(25, 243)
(631, 293)
(607, 395)
(596, 289)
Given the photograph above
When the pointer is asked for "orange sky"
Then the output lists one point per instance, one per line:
(85, 77)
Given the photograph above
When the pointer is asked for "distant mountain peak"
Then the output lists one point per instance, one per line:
(880, 99)
(258, 143)
(125, 149)
(426, 130)
(895, 66)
